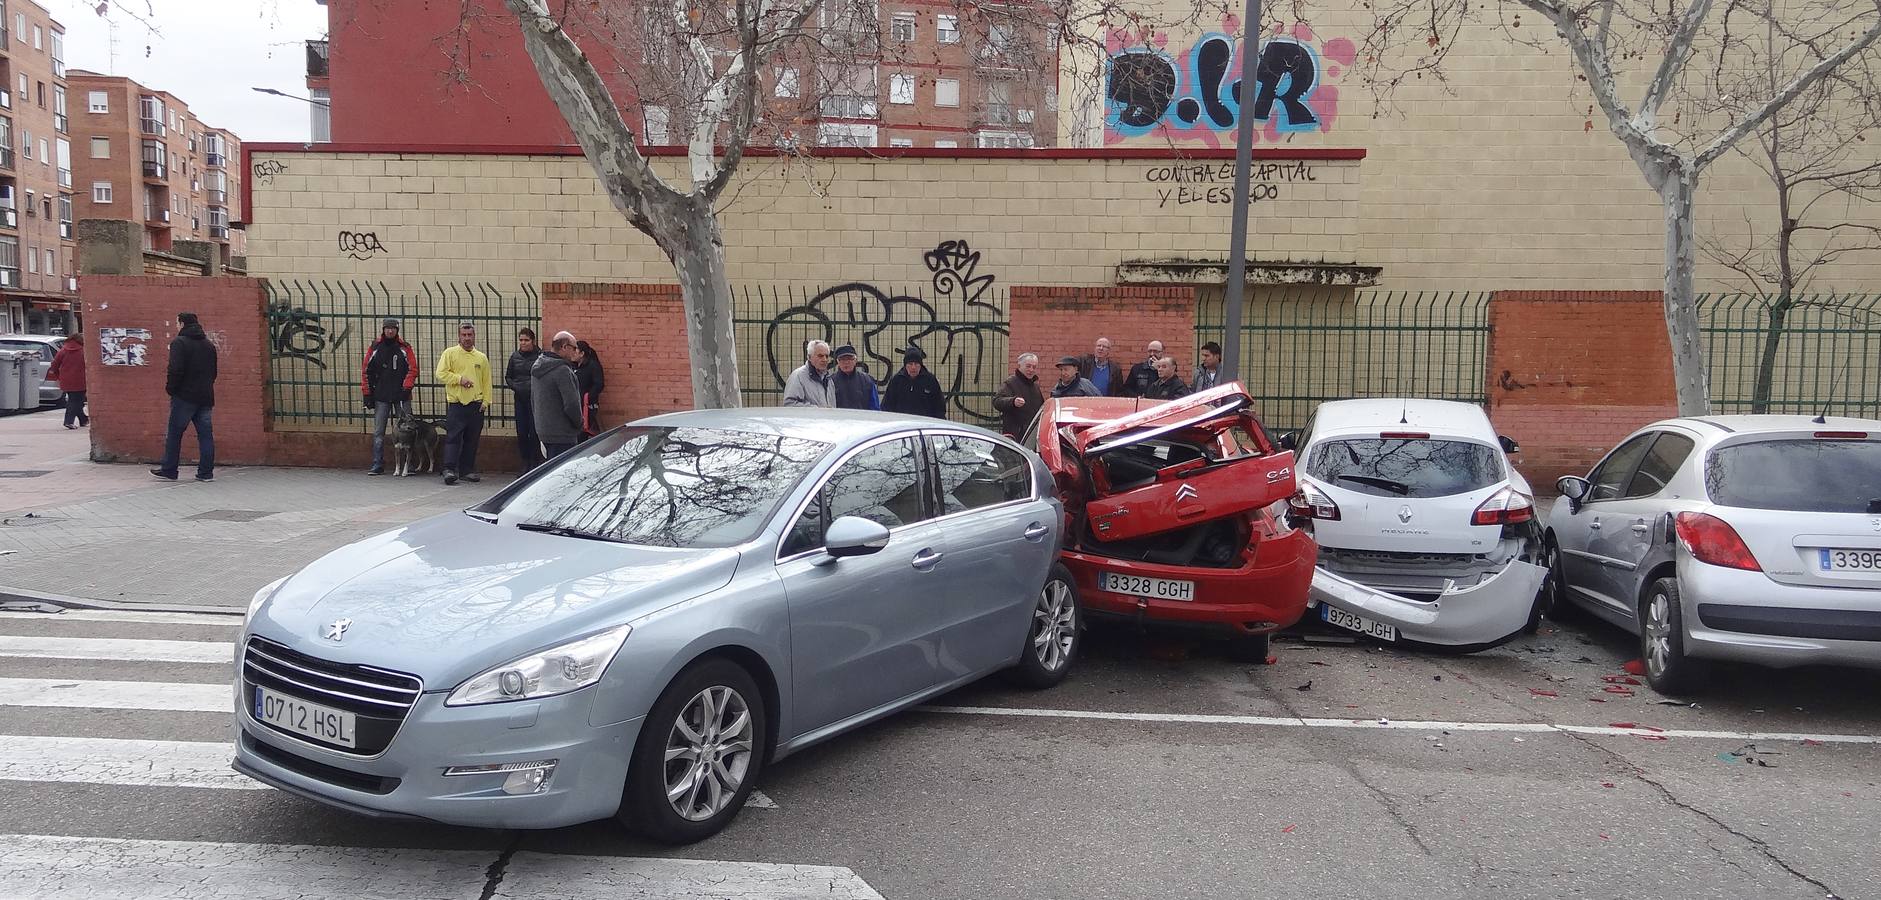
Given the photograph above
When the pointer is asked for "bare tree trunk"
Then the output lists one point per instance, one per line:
(692, 240)
(1678, 192)
(1766, 362)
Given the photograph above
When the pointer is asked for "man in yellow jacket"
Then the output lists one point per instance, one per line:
(465, 372)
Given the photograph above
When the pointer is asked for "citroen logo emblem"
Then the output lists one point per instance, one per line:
(1404, 513)
(1187, 492)
(337, 629)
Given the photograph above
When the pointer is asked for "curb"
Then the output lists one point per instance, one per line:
(60, 600)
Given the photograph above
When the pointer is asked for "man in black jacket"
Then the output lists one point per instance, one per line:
(521, 361)
(1019, 400)
(386, 379)
(914, 390)
(1167, 386)
(555, 398)
(191, 384)
(1143, 374)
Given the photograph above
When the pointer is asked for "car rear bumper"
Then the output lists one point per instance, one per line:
(1256, 599)
(1732, 614)
(1481, 615)
(408, 780)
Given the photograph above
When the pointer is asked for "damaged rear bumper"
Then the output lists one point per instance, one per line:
(1479, 616)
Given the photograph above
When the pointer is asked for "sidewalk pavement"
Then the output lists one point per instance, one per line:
(112, 532)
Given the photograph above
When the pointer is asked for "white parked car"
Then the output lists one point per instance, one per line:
(1426, 533)
(1747, 538)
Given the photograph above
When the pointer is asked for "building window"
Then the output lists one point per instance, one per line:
(19, 26)
(44, 157)
(787, 85)
(38, 39)
(59, 120)
(903, 26)
(850, 92)
(998, 43)
(52, 267)
(901, 142)
(320, 115)
(45, 207)
(32, 260)
(999, 103)
(1011, 140)
(32, 204)
(949, 144)
(946, 92)
(64, 158)
(41, 93)
(97, 102)
(26, 87)
(901, 88)
(65, 217)
(657, 120)
(843, 134)
(26, 143)
(101, 148)
(58, 54)
(947, 29)
(101, 192)
(855, 17)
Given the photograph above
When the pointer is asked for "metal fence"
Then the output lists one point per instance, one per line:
(1302, 346)
(1823, 356)
(318, 333)
(963, 334)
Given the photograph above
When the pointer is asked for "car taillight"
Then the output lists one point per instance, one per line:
(1405, 436)
(1312, 503)
(1504, 507)
(1842, 435)
(1713, 541)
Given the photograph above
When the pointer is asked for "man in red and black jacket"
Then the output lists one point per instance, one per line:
(385, 380)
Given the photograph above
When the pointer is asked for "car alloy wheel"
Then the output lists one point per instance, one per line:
(708, 753)
(1662, 641)
(1054, 625)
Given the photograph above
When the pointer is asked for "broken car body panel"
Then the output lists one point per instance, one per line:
(1484, 613)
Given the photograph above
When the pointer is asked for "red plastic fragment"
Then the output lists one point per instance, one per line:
(1540, 692)
(1288, 829)
(1606, 784)
(1619, 679)
(1635, 667)
(1620, 689)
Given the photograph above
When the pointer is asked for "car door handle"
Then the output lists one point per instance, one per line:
(925, 560)
(1595, 524)
(1036, 531)
(1641, 528)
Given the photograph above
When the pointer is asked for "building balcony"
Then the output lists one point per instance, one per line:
(9, 276)
(215, 160)
(153, 127)
(156, 171)
(218, 197)
(156, 218)
(65, 178)
(219, 232)
(6, 99)
(62, 123)
(6, 157)
(850, 106)
(9, 217)
(317, 63)
(65, 229)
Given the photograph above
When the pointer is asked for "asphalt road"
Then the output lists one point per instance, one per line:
(1160, 770)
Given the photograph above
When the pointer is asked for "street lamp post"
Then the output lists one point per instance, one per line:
(1243, 172)
(263, 90)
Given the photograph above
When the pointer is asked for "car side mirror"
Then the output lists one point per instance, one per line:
(1574, 488)
(1289, 441)
(1508, 445)
(854, 536)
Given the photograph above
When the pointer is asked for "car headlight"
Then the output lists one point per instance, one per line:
(557, 670)
(261, 596)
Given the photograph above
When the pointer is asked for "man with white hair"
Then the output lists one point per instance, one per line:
(811, 384)
(556, 396)
(1019, 400)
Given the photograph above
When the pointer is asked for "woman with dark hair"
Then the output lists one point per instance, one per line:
(590, 380)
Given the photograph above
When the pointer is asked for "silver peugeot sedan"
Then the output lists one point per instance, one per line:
(639, 627)
(1747, 538)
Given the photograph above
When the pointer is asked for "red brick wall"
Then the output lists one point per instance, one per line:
(639, 333)
(1067, 321)
(1572, 372)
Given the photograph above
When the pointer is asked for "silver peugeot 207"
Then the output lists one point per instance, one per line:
(638, 627)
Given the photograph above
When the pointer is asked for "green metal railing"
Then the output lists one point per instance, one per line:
(318, 333)
(964, 334)
(1819, 353)
(1302, 346)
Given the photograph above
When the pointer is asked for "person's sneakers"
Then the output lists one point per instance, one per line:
(71, 427)
(472, 477)
(375, 471)
(450, 477)
(205, 478)
(159, 473)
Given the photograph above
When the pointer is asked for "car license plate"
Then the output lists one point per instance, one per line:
(331, 726)
(1153, 588)
(1354, 622)
(1850, 560)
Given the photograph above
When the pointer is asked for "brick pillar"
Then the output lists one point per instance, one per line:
(1572, 372)
(1067, 321)
(129, 406)
(639, 333)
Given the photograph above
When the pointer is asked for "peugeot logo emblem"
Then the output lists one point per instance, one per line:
(337, 629)
(1187, 492)
(1404, 513)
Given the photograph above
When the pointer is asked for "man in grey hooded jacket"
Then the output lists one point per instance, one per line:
(555, 398)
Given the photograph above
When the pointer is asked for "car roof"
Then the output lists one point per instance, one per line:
(1758, 424)
(831, 426)
(1446, 417)
(35, 338)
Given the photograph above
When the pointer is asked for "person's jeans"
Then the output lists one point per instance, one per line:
(75, 408)
(555, 450)
(463, 427)
(380, 415)
(528, 445)
(183, 414)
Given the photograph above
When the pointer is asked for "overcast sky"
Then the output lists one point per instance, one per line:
(208, 52)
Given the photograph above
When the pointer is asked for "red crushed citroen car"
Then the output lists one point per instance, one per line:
(1176, 513)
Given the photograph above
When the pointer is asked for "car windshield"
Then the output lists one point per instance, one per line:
(664, 487)
(1800, 475)
(1406, 467)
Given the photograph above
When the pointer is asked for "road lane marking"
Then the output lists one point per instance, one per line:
(116, 649)
(72, 868)
(147, 618)
(75, 694)
(1394, 725)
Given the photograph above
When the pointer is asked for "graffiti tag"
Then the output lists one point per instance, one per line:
(360, 245)
(296, 333)
(1193, 94)
(1191, 183)
(265, 170)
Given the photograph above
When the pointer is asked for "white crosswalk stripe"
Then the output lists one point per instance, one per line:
(125, 866)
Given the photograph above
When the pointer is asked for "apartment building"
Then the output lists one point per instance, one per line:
(37, 253)
(143, 157)
(890, 73)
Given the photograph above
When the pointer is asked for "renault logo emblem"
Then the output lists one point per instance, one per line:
(1187, 492)
(1404, 513)
(337, 629)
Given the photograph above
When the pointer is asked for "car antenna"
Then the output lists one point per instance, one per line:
(1404, 418)
(1822, 418)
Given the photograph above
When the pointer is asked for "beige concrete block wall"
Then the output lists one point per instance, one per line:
(544, 218)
